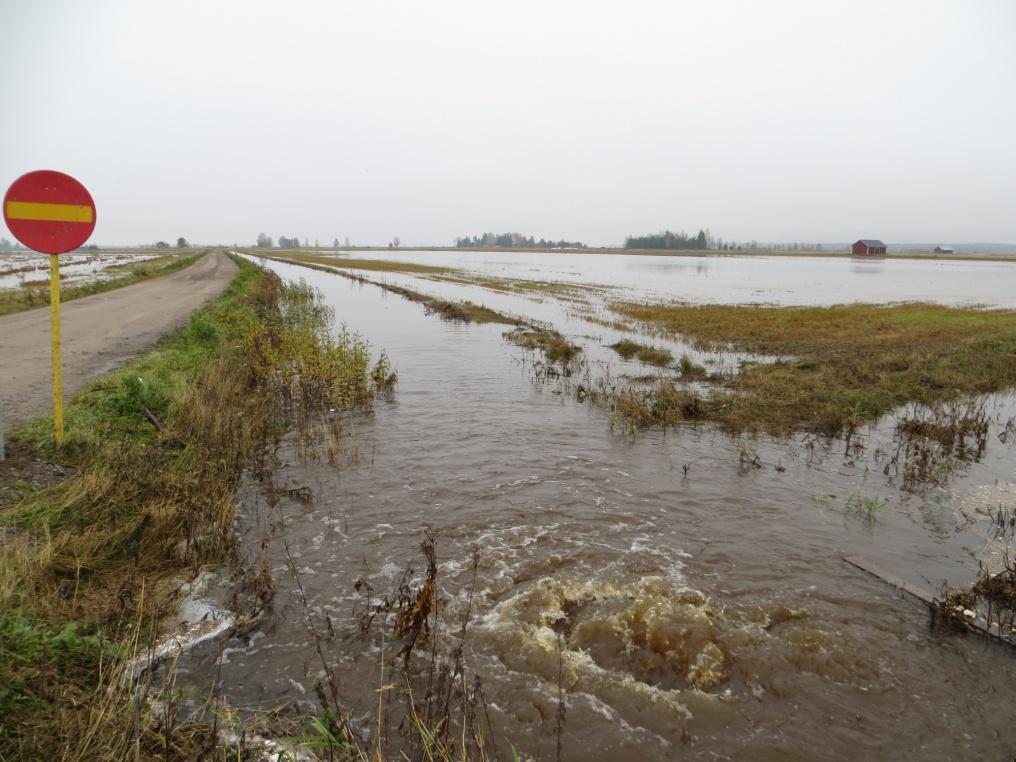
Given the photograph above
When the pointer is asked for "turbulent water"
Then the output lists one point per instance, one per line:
(693, 582)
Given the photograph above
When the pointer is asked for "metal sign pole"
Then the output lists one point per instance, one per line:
(54, 323)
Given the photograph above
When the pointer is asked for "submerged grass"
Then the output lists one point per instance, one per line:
(36, 294)
(555, 347)
(840, 366)
(156, 450)
(643, 352)
(374, 265)
(461, 311)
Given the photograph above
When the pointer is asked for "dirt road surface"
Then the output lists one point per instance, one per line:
(100, 333)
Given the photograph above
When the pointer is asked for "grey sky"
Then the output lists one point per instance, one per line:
(769, 120)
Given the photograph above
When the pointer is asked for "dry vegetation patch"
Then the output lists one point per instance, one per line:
(839, 366)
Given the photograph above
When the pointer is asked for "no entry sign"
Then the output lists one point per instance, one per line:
(49, 211)
(53, 213)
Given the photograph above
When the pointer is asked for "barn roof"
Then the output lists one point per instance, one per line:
(871, 242)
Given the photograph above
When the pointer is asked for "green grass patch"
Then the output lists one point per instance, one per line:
(843, 365)
(37, 294)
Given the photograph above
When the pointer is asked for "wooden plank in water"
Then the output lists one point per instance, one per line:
(978, 624)
(866, 565)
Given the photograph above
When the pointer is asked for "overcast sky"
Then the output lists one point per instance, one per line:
(796, 121)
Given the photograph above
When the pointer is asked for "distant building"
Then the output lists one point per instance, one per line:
(944, 250)
(868, 246)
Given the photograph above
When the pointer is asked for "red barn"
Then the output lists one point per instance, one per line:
(868, 246)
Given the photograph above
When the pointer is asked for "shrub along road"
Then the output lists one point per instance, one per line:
(100, 333)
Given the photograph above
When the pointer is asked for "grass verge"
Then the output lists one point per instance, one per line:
(156, 449)
(840, 366)
(37, 294)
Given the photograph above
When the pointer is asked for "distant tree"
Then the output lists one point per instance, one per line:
(396, 241)
(514, 240)
(667, 240)
(161, 245)
(181, 243)
(264, 241)
(335, 243)
(288, 243)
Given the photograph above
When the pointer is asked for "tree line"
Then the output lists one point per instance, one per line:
(668, 240)
(514, 241)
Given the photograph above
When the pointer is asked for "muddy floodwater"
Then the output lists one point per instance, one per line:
(703, 605)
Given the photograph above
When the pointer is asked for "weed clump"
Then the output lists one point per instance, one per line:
(666, 405)
(644, 353)
(690, 370)
(555, 347)
(935, 441)
(988, 606)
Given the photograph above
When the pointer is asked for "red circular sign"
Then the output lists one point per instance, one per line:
(49, 211)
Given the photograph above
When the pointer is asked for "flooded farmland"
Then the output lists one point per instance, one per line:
(683, 588)
(737, 279)
(23, 269)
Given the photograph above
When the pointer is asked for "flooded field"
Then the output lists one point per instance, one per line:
(685, 589)
(745, 279)
(21, 269)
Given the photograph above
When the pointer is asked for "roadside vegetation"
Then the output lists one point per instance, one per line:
(36, 294)
(840, 366)
(154, 451)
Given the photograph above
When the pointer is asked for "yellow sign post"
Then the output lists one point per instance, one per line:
(54, 333)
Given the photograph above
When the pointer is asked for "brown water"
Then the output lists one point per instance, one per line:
(705, 607)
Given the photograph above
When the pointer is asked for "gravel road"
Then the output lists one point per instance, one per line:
(100, 333)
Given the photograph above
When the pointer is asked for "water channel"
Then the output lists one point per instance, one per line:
(708, 612)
